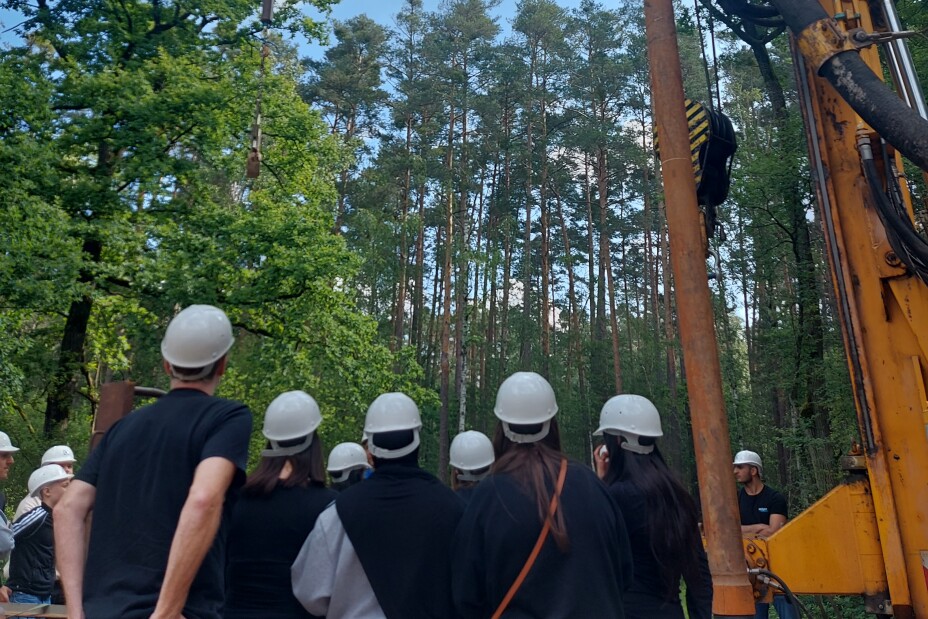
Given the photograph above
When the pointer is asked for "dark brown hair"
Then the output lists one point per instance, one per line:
(308, 469)
(673, 519)
(534, 466)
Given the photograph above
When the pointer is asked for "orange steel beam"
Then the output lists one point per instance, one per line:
(733, 593)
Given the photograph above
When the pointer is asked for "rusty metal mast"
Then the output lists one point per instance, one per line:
(733, 593)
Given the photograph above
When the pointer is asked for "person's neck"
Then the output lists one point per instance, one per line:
(206, 386)
(754, 487)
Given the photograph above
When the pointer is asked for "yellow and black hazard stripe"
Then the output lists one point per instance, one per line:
(712, 146)
(698, 121)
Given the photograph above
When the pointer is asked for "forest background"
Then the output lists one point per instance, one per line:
(442, 201)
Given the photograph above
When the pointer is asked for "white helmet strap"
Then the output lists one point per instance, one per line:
(189, 378)
(277, 449)
(631, 444)
(392, 454)
(340, 476)
(516, 437)
(471, 476)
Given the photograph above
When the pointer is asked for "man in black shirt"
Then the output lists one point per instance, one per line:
(157, 485)
(763, 509)
(763, 513)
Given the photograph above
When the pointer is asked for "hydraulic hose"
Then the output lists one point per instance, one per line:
(866, 93)
(801, 608)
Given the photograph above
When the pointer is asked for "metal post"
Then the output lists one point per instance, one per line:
(733, 593)
(116, 400)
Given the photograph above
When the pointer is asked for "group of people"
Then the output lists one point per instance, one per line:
(27, 544)
(179, 530)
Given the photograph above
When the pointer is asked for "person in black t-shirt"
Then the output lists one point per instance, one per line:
(763, 509)
(278, 508)
(158, 485)
(763, 513)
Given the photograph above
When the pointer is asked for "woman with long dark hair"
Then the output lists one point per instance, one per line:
(540, 538)
(660, 514)
(276, 512)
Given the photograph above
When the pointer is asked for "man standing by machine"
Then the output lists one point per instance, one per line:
(157, 486)
(763, 513)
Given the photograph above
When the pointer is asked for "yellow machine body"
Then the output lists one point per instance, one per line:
(868, 536)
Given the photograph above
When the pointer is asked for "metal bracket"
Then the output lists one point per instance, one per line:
(820, 41)
(860, 38)
(824, 39)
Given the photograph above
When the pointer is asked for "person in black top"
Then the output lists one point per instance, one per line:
(471, 456)
(763, 513)
(660, 514)
(161, 485)
(278, 508)
(384, 548)
(32, 566)
(584, 563)
(763, 509)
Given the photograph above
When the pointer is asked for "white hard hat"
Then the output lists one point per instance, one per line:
(292, 415)
(525, 398)
(44, 475)
(57, 455)
(6, 445)
(344, 458)
(471, 451)
(749, 457)
(630, 416)
(392, 412)
(197, 338)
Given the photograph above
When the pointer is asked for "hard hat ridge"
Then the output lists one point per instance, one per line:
(45, 475)
(751, 458)
(344, 458)
(471, 451)
(392, 412)
(291, 416)
(6, 445)
(198, 337)
(631, 417)
(57, 455)
(525, 399)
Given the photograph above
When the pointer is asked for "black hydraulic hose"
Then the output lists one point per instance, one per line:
(876, 104)
(800, 607)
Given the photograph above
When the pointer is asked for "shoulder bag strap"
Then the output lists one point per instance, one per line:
(538, 544)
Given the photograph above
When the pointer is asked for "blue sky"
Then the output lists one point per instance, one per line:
(381, 11)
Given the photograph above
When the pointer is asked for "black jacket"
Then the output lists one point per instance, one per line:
(32, 564)
(499, 530)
